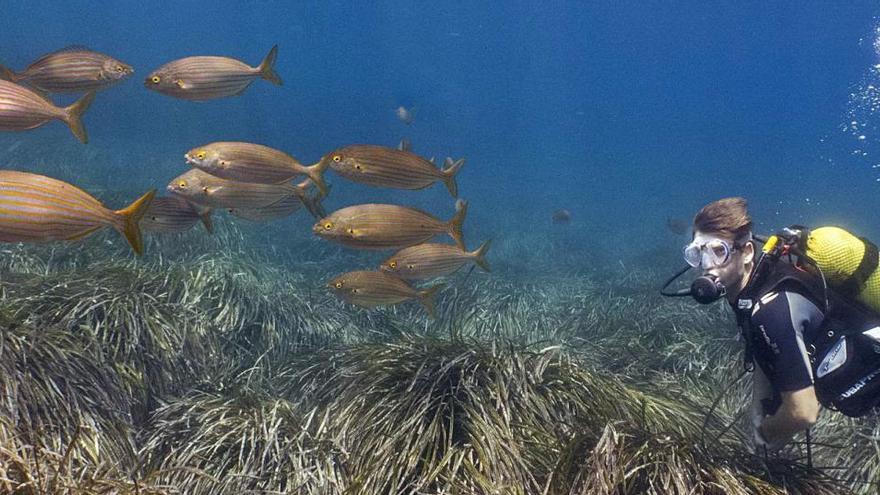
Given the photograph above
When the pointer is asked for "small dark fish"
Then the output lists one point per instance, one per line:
(432, 260)
(676, 226)
(378, 226)
(281, 209)
(561, 216)
(22, 109)
(174, 214)
(388, 167)
(36, 208)
(73, 69)
(406, 116)
(207, 78)
(371, 289)
(248, 162)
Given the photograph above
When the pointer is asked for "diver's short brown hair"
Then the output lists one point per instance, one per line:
(728, 217)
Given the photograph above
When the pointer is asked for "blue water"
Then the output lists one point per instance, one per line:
(625, 113)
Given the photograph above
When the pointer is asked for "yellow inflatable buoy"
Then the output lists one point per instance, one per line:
(839, 254)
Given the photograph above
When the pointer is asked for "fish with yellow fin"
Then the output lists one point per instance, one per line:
(383, 226)
(429, 260)
(369, 289)
(22, 109)
(208, 77)
(36, 208)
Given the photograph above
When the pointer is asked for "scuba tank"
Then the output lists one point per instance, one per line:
(849, 263)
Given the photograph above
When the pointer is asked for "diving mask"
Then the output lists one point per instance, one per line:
(708, 252)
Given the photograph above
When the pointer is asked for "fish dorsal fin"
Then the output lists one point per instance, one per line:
(404, 145)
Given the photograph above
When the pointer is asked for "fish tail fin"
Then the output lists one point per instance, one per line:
(449, 172)
(316, 173)
(8, 75)
(457, 222)
(267, 67)
(426, 297)
(312, 203)
(480, 255)
(130, 218)
(73, 116)
(205, 217)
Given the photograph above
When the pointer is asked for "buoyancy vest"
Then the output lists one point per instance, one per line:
(844, 353)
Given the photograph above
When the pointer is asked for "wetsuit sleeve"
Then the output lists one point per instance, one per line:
(779, 322)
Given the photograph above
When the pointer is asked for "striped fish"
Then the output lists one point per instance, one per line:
(378, 226)
(248, 162)
(73, 69)
(204, 189)
(174, 214)
(36, 208)
(432, 260)
(371, 289)
(284, 208)
(207, 78)
(388, 167)
(22, 109)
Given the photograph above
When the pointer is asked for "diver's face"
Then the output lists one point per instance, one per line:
(733, 271)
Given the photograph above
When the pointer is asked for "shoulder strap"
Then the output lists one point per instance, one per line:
(854, 284)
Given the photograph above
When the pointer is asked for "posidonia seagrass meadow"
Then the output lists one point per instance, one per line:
(217, 364)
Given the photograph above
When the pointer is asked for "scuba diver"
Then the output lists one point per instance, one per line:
(806, 304)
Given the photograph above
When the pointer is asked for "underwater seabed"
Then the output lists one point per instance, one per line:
(218, 365)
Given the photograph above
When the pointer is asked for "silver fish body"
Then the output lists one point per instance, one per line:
(281, 209)
(173, 214)
(72, 70)
(381, 166)
(382, 226)
(209, 77)
(250, 162)
(203, 188)
(428, 260)
(370, 289)
(22, 109)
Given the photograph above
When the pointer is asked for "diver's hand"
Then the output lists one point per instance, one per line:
(761, 444)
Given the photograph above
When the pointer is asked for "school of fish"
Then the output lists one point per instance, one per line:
(250, 181)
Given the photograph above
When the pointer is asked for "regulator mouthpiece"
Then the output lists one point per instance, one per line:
(704, 289)
(707, 289)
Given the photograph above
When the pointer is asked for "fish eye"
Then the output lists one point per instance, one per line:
(411, 266)
(337, 158)
(357, 166)
(155, 79)
(181, 184)
(351, 230)
(201, 155)
(328, 226)
(338, 285)
(204, 189)
(393, 264)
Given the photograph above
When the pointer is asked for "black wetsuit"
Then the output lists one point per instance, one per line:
(796, 343)
(784, 322)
